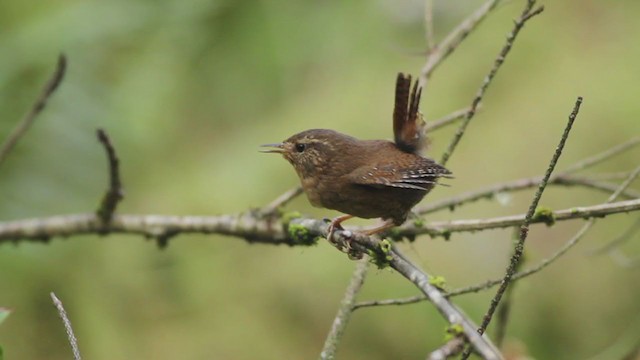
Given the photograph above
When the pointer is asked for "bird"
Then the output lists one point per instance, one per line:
(367, 178)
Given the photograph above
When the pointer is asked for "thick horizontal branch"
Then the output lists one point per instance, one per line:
(247, 225)
(255, 227)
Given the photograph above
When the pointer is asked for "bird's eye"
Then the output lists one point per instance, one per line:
(300, 147)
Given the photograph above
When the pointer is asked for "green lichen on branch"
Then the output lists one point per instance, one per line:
(453, 331)
(382, 255)
(300, 235)
(545, 215)
(438, 281)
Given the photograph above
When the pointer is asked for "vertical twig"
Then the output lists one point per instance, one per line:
(67, 326)
(524, 229)
(344, 312)
(24, 124)
(114, 192)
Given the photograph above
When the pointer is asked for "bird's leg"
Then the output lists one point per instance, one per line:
(335, 225)
(388, 224)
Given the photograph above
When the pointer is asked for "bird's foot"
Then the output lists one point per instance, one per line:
(345, 240)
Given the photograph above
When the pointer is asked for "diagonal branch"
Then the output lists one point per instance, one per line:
(387, 253)
(282, 200)
(605, 155)
(451, 42)
(67, 326)
(527, 14)
(524, 229)
(24, 124)
(344, 312)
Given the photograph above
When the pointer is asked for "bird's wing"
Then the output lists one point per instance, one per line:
(418, 175)
(407, 122)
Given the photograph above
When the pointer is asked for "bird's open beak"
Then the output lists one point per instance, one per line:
(277, 148)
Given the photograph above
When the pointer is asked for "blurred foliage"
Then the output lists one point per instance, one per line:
(189, 89)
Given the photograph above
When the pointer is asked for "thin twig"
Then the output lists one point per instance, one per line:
(451, 42)
(524, 229)
(561, 178)
(451, 313)
(546, 262)
(502, 317)
(114, 193)
(428, 24)
(446, 120)
(446, 228)
(598, 158)
(387, 302)
(24, 124)
(623, 260)
(360, 244)
(344, 312)
(451, 348)
(633, 229)
(67, 326)
(527, 14)
(282, 200)
(619, 175)
(515, 185)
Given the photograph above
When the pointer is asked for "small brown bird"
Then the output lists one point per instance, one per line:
(367, 178)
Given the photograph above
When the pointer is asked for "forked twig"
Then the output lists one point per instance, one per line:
(114, 193)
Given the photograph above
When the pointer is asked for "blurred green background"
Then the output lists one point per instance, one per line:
(189, 89)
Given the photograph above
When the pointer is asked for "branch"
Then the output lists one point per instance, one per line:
(114, 193)
(247, 225)
(450, 312)
(571, 243)
(360, 244)
(24, 124)
(524, 229)
(618, 240)
(446, 228)
(451, 348)
(67, 326)
(450, 43)
(515, 185)
(527, 14)
(344, 312)
(256, 228)
(282, 200)
(446, 120)
(428, 24)
(598, 158)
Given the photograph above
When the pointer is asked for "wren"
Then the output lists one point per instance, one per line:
(367, 178)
